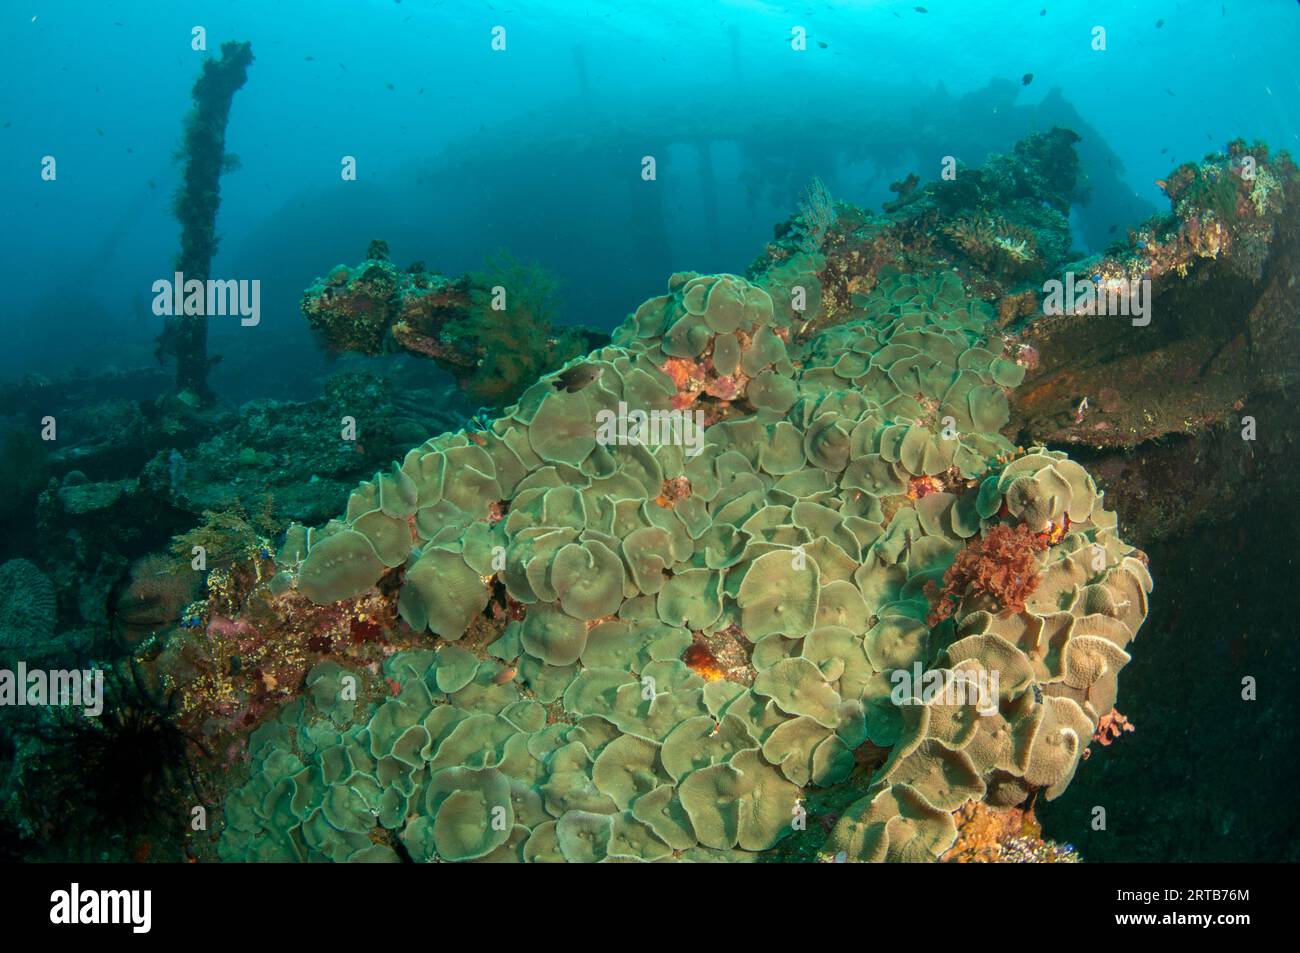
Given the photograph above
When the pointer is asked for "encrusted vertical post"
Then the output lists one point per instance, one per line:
(186, 335)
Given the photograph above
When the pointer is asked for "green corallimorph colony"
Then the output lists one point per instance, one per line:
(586, 737)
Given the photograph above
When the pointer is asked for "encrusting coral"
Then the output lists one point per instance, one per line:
(1225, 206)
(994, 244)
(986, 836)
(660, 649)
(492, 330)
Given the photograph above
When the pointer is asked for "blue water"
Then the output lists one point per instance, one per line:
(537, 149)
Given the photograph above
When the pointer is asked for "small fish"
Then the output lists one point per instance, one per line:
(1170, 92)
(480, 420)
(821, 44)
(1043, 12)
(1111, 230)
(576, 377)
(1026, 79)
(1159, 24)
(390, 86)
(1164, 150)
(309, 58)
(505, 675)
(920, 9)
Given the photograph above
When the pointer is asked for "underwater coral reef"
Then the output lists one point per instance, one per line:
(779, 572)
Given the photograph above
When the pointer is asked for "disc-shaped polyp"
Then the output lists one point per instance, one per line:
(588, 578)
(448, 592)
(779, 594)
